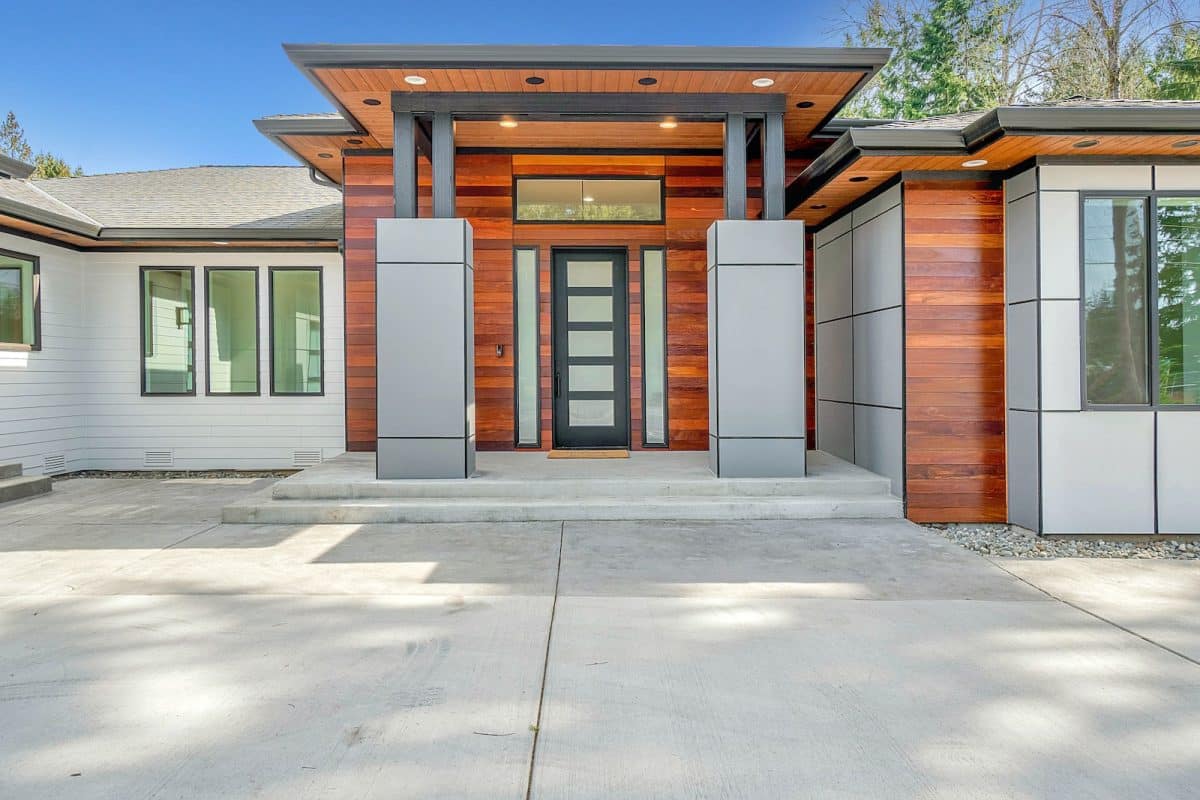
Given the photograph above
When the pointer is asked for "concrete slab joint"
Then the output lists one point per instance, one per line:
(756, 348)
(425, 399)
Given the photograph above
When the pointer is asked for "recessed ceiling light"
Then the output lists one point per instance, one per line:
(647, 81)
(975, 162)
(762, 83)
(325, 155)
(535, 80)
(1086, 143)
(668, 124)
(508, 123)
(354, 141)
(817, 207)
(859, 179)
(371, 101)
(587, 198)
(1186, 143)
(415, 80)
(805, 104)
(220, 242)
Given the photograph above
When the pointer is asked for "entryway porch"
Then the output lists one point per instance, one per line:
(516, 486)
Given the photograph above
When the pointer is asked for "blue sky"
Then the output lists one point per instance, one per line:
(127, 86)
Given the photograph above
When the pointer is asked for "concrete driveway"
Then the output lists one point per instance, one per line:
(148, 652)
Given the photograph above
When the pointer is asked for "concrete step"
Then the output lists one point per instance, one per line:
(262, 508)
(23, 486)
(10, 471)
(569, 489)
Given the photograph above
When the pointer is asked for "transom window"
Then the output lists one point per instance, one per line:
(575, 200)
(19, 300)
(1141, 299)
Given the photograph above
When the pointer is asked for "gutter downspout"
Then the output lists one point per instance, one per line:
(321, 180)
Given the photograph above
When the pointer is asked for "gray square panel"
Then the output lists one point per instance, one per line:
(879, 358)
(1021, 358)
(879, 262)
(879, 443)
(1024, 469)
(1020, 249)
(835, 360)
(835, 429)
(1178, 450)
(423, 241)
(835, 277)
(762, 458)
(740, 241)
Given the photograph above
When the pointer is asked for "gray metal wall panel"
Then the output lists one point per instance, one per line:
(835, 429)
(760, 349)
(423, 241)
(1058, 258)
(1024, 469)
(834, 278)
(879, 262)
(877, 205)
(1101, 177)
(714, 422)
(835, 360)
(1060, 355)
(1020, 249)
(1021, 357)
(1020, 185)
(1185, 177)
(399, 459)
(879, 443)
(1098, 472)
(421, 360)
(832, 230)
(757, 242)
(763, 458)
(879, 358)
(1178, 494)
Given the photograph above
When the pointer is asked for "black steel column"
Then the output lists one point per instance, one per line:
(443, 164)
(735, 165)
(773, 160)
(404, 163)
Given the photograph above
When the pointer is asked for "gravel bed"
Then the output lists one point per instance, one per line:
(159, 475)
(1009, 540)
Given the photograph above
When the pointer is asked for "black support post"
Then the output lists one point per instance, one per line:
(735, 165)
(774, 177)
(404, 163)
(443, 164)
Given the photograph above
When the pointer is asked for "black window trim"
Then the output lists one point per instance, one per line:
(662, 200)
(36, 274)
(516, 350)
(142, 270)
(208, 392)
(665, 444)
(320, 270)
(1152, 346)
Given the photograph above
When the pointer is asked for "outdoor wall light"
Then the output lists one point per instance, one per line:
(508, 123)
(535, 80)
(415, 80)
(668, 124)
(371, 101)
(1186, 143)
(975, 162)
(763, 83)
(499, 351)
(1086, 143)
(647, 81)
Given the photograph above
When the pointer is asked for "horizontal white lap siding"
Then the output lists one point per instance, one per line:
(42, 392)
(204, 432)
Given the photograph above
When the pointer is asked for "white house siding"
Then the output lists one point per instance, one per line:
(42, 392)
(1073, 470)
(204, 432)
(860, 343)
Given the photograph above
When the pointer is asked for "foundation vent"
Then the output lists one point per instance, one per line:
(158, 459)
(306, 458)
(54, 464)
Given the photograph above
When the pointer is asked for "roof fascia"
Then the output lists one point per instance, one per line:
(217, 234)
(43, 217)
(275, 129)
(15, 168)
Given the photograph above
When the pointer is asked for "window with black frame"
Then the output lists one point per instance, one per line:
(18, 299)
(1141, 300)
(589, 200)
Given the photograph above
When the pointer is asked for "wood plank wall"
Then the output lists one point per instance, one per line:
(954, 350)
(484, 185)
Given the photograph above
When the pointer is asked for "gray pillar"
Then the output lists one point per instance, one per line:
(756, 378)
(424, 312)
(443, 164)
(774, 172)
(735, 166)
(404, 163)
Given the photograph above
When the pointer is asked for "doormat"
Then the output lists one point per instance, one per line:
(588, 454)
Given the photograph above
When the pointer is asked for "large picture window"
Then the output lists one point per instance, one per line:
(231, 295)
(574, 200)
(297, 351)
(168, 342)
(1141, 300)
(19, 300)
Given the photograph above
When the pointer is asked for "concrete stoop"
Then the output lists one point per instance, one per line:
(330, 495)
(15, 485)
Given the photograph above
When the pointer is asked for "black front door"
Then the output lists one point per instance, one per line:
(591, 349)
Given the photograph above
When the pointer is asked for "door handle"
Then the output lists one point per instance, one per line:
(556, 383)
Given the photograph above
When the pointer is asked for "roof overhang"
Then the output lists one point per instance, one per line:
(14, 168)
(856, 142)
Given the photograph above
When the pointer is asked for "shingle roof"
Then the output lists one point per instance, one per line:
(252, 198)
(28, 194)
